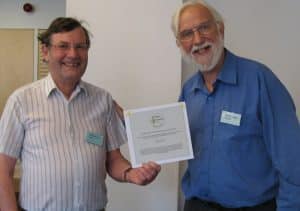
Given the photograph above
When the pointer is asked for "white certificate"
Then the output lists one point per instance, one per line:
(159, 134)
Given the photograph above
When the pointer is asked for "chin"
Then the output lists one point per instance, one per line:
(211, 63)
(204, 63)
(205, 68)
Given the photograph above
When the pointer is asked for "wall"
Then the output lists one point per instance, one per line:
(134, 57)
(13, 16)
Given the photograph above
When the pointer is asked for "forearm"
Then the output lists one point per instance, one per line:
(117, 165)
(7, 194)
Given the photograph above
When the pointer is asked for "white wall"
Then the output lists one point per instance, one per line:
(134, 57)
(13, 16)
(267, 31)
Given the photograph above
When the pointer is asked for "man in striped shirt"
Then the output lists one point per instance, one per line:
(65, 132)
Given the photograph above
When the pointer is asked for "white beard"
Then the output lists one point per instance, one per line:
(217, 50)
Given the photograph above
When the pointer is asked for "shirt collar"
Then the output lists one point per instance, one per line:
(228, 73)
(50, 86)
(198, 83)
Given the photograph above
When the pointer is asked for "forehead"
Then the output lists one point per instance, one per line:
(77, 35)
(192, 16)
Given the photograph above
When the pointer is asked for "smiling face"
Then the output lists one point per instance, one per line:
(206, 46)
(66, 56)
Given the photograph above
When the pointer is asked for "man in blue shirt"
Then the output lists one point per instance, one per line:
(244, 129)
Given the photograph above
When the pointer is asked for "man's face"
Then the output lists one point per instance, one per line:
(204, 37)
(67, 56)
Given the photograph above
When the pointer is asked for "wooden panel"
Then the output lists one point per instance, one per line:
(16, 56)
(42, 66)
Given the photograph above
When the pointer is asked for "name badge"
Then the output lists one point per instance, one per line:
(231, 118)
(94, 138)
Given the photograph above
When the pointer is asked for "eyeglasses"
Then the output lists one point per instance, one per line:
(64, 47)
(204, 29)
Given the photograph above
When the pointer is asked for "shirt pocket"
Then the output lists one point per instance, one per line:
(249, 127)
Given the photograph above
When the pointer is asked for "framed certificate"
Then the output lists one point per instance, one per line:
(160, 134)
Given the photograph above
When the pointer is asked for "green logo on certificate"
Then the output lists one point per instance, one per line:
(157, 120)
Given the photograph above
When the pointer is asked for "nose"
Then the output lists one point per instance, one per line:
(73, 52)
(198, 38)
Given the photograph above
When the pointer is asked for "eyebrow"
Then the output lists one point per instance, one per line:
(204, 22)
(66, 42)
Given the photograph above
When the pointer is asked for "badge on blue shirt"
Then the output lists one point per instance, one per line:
(94, 138)
(231, 118)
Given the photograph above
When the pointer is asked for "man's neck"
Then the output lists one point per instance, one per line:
(210, 77)
(66, 87)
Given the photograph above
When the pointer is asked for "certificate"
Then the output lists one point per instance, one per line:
(160, 134)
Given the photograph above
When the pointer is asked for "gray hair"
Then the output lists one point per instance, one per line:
(175, 19)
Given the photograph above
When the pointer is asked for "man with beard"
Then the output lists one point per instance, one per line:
(244, 129)
(65, 131)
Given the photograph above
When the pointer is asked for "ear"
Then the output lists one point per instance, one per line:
(45, 53)
(221, 28)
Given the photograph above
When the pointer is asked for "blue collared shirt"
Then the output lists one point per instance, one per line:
(245, 136)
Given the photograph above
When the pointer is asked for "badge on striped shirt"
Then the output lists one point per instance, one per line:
(94, 138)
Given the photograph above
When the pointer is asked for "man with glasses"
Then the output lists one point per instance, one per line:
(65, 132)
(244, 129)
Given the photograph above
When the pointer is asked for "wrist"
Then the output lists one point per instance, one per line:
(125, 174)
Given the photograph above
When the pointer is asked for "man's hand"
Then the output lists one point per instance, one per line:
(144, 174)
(7, 192)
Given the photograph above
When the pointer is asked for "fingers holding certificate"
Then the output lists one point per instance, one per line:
(160, 134)
(142, 175)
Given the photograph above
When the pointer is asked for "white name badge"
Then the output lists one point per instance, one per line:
(231, 118)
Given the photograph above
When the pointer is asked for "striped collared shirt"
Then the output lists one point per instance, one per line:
(62, 169)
